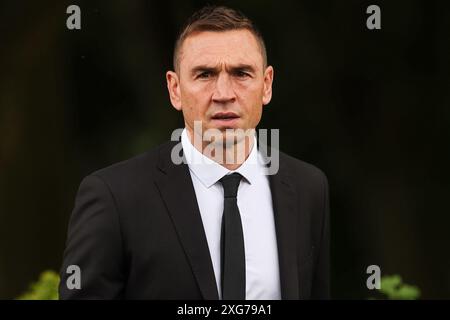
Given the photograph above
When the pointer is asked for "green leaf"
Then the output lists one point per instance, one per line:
(46, 288)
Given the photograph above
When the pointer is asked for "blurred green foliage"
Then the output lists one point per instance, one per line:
(394, 288)
(46, 288)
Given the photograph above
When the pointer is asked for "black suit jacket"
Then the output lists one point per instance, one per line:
(136, 232)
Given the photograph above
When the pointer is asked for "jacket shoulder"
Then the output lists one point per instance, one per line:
(133, 168)
(293, 166)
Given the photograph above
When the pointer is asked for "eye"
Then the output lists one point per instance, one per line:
(205, 75)
(241, 74)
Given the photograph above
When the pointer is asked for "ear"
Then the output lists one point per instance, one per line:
(173, 85)
(268, 80)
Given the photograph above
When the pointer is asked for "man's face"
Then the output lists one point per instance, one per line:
(221, 81)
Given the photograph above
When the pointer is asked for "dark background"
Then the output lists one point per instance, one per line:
(370, 108)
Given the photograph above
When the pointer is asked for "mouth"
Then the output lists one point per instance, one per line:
(225, 116)
(224, 120)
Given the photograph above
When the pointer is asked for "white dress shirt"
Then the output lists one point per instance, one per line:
(254, 200)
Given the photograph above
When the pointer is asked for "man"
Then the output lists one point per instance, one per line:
(208, 228)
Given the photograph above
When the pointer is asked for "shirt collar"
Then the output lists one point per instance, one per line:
(209, 172)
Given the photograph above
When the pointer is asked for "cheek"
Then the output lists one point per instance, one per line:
(253, 106)
(194, 102)
(251, 98)
(257, 114)
(251, 90)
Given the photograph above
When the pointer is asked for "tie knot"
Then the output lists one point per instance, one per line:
(230, 184)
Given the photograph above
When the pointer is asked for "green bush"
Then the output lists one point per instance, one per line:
(46, 288)
(395, 289)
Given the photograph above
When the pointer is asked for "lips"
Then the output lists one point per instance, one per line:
(225, 116)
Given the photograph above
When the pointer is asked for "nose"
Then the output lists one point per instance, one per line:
(224, 89)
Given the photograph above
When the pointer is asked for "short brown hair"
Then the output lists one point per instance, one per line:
(219, 19)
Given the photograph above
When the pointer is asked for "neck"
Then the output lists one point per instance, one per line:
(229, 155)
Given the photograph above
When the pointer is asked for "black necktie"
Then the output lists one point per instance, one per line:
(232, 242)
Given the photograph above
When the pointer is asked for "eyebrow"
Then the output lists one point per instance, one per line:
(238, 67)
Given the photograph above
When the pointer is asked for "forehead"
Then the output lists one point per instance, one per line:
(211, 48)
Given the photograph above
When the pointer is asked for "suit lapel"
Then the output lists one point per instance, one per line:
(178, 193)
(283, 198)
